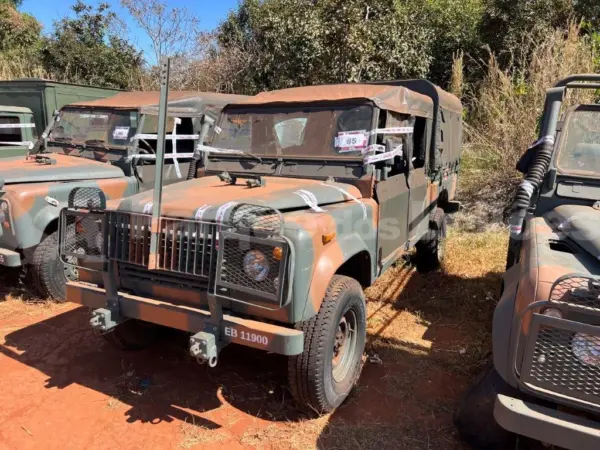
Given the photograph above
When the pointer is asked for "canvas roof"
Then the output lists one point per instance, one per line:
(393, 98)
(134, 100)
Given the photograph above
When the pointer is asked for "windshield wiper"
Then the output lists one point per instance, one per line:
(250, 155)
(96, 143)
(62, 139)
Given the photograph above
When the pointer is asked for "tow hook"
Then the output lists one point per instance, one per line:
(203, 347)
(104, 319)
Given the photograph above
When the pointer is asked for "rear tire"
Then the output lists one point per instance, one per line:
(322, 376)
(430, 247)
(48, 272)
(133, 334)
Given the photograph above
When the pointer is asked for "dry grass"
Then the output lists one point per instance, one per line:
(196, 435)
(507, 107)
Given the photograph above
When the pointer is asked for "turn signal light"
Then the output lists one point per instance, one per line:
(6, 224)
(277, 253)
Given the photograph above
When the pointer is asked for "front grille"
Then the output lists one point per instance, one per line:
(129, 237)
(579, 292)
(188, 247)
(555, 364)
(185, 246)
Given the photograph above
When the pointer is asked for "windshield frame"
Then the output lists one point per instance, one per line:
(274, 108)
(561, 146)
(108, 110)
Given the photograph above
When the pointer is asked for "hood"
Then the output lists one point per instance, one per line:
(64, 168)
(205, 197)
(580, 224)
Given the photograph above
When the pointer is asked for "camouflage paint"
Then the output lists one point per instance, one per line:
(321, 239)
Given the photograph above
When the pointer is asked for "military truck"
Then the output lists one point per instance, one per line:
(44, 97)
(109, 144)
(17, 131)
(545, 380)
(308, 195)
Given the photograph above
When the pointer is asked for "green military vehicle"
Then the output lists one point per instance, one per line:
(17, 131)
(44, 97)
(109, 144)
(545, 381)
(308, 195)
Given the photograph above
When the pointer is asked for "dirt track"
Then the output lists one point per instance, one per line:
(64, 387)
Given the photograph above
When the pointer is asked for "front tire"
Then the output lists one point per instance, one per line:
(49, 273)
(322, 376)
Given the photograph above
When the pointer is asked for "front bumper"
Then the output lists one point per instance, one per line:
(546, 425)
(10, 258)
(231, 329)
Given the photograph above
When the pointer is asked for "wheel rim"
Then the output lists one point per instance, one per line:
(70, 270)
(344, 346)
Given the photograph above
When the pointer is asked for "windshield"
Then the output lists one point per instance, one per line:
(295, 131)
(111, 127)
(579, 150)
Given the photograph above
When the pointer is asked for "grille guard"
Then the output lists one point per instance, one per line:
(541, 365)
(90, 238)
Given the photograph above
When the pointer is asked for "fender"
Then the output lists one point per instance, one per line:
(336, 253)
(502, 325)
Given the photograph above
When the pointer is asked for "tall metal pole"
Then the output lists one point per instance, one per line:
(165, 66)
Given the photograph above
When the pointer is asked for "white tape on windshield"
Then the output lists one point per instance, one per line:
(373, 148)
(394, 130)
(383, 156)
(17, 125)
(27, 144)
(222, 210)
(176, 122)
(178, 137)
(147, 208)
(310, 200)
(549, 139)
(167, 156)
(207, 149)
(350, 196)
(200, 211)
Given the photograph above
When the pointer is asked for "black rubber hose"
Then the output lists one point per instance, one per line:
(530, 184)
(193, 166)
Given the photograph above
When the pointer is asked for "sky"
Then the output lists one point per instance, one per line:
(210, 13)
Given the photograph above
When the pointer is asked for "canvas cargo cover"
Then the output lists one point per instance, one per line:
(133, 100)
(392, 98)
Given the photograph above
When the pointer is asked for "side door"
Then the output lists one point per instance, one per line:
(402, 195)
(12, 135)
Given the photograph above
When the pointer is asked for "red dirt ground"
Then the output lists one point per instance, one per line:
(64, 387)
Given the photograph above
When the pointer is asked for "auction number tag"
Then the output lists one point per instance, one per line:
(247, 336)
(120, 133)
(351, 141)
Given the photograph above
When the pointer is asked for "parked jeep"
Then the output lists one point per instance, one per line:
(107, 143)
(545, 380)
(308, 195)
(17, 131)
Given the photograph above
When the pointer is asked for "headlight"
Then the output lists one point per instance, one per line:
(587, 349)
(256, 265)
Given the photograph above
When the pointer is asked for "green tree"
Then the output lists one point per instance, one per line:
(18, 31)
(84, 49)
(300, 42)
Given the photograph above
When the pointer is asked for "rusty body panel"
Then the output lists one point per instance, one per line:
(294, 193)
(546, 328)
